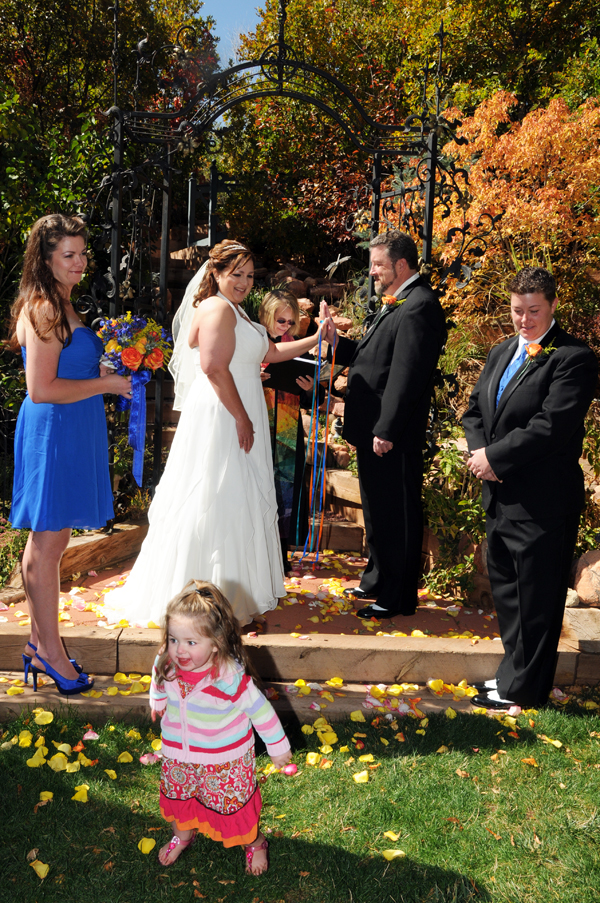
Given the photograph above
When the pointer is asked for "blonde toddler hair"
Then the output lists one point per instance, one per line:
(213, 618)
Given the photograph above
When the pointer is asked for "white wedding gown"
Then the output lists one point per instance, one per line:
(214, 514)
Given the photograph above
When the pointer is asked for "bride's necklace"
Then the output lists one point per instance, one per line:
(239, 309)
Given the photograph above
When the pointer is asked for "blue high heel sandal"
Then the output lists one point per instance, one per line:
(27, 659)
(65, 687)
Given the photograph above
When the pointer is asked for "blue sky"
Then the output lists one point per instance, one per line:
(233, 17)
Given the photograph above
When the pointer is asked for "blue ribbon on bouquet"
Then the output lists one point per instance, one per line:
(137, 420)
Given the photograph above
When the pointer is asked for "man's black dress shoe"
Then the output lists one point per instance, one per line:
(484, 686)
(483, 700)
(358, 593)
(369, 612)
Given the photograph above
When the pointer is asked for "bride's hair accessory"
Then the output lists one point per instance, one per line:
(233, 247)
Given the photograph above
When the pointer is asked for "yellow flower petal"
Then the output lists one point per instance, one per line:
(368, 757)
(63, 748)
(300, 683)
(384, 741)
(362, 777)
(14, 691)
(112, 774)
(442, 749)
(38, 759)
(58, 762)
(313, 758)
(146, 845)
(135, 735)
(72, 767)
(40, 868)
(156, 745)
(112, 691)
(335, 682)
(153, 626)
(44, 718)
(120, 678)
(138, 687)
(81, 793)
(393, 854)
(357, 716)
(125, 757)
(328, 736)
(326, 749)
(307, 729)
(450, 713)
(391, 835)
(46, 795)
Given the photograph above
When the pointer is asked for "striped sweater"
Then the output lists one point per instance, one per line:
(213, 722)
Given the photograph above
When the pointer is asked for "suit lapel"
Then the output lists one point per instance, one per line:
(504, 358)
(403, 295)
(530, 365)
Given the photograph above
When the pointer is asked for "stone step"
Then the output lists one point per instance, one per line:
(349, 699)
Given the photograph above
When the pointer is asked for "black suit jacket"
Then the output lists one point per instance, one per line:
(533, 439)
(392, 370)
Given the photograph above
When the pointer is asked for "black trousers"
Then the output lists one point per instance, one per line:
(529, 563)
(390, 489)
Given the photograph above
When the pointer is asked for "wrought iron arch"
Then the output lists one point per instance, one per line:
(278, 72)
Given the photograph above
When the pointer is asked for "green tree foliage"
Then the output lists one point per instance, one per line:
(56, 63)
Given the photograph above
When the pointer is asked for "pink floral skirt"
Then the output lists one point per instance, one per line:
(222, 801)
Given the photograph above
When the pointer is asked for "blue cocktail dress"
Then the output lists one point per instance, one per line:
(61, 451)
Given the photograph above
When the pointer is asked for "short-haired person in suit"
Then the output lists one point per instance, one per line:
(388, 397)
(525, 428)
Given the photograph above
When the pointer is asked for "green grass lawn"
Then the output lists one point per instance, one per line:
(475, 822)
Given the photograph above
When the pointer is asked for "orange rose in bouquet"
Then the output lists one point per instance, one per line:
(154, 359)
(131, 358)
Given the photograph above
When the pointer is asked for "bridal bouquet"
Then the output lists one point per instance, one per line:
(138, 347)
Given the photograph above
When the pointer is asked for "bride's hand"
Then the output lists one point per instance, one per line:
(245, 432)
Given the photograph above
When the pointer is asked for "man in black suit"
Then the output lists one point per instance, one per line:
(524, 427)
(390, 385)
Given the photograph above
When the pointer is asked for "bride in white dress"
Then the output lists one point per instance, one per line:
(214, 514)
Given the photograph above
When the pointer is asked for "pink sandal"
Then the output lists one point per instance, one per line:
(177, 841)
(250, 851)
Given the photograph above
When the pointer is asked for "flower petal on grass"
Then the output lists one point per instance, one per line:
(112, 774)
(44, 718)
(313, 758)
(125, 757)
(156, 745)
(58, 762)
(393, 854)
(530, 761)
(90, 735)
(81, 793)
(146, 845)
(361, 777)
(40, 868)
(450, 713)
(149, 758)
(391, 835)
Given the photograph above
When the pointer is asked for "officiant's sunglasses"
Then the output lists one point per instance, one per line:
(281, 321)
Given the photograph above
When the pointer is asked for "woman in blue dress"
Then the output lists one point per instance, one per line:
(61, 451)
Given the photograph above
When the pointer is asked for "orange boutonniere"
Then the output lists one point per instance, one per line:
(392, 301)
(534, 350)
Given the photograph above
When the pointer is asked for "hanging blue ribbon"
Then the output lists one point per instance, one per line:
(137, 420)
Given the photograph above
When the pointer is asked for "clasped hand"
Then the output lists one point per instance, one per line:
(479, 466)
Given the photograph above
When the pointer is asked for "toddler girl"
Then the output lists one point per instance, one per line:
(209, 704)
